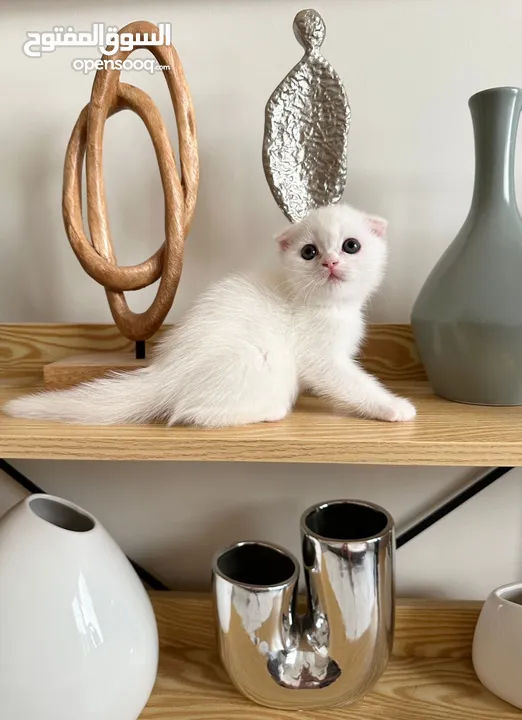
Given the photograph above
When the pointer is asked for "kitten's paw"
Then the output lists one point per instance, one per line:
(399, 410)
(402, 410)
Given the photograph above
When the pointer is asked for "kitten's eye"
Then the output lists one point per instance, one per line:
(351, 246)
(308, 252)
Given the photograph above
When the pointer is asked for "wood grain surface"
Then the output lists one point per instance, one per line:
(389, 353)
(26, 347)
(435, 628)
(389, 350)
(443, 433)
(77, 369)
(429, 678)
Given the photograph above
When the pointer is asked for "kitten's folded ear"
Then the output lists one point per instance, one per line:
(285, 239)
(378, 225)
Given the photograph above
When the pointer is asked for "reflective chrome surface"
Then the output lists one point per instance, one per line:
(307, 120)
(341, 644)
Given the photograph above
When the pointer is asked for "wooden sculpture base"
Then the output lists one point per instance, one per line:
(80, 368)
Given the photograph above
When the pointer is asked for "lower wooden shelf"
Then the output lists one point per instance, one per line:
(429, 678)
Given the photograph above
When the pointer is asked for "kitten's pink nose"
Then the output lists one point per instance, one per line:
(330, 264)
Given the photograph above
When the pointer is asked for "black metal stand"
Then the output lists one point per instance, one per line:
(141, 351)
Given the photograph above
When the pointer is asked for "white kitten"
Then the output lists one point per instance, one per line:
(254, 340)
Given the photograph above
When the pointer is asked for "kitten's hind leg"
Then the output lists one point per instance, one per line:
(350, 387)
(228, 390)
(209, 418)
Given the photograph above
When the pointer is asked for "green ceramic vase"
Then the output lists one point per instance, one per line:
(467, 319)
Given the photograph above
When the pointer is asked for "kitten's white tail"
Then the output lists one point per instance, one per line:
(119, 399)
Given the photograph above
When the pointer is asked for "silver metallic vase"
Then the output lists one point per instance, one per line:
(334, 652)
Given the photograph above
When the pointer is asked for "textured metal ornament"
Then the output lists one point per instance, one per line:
(307, 120)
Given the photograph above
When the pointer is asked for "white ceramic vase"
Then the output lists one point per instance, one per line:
(78, 636)
(497, 644)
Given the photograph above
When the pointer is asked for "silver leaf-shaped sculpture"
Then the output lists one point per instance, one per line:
(307, 120)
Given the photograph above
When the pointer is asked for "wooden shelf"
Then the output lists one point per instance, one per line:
(429, 678)
(444, 433)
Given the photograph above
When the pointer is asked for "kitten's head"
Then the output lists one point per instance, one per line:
(335, 253)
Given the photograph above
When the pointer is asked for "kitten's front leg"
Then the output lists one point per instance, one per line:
(349, 386)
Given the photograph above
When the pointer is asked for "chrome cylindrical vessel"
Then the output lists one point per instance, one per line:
(340, 645)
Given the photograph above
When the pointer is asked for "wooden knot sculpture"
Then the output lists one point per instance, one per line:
(96, 255)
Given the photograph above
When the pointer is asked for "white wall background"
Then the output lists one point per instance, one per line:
(409, 67)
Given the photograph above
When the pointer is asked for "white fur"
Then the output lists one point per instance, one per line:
(253, 341)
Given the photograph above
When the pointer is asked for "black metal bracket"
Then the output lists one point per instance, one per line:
(407, 536)
(144, 575)
(452, 504)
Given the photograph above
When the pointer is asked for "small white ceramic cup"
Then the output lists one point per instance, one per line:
(497, 644)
